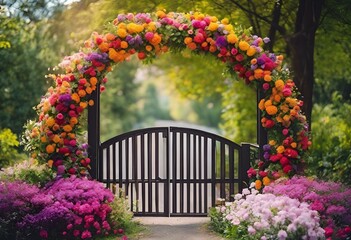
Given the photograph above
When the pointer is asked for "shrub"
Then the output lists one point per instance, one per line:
(67, 208)
(17, 199)
(331, 200)
(8, 151)
(28, 171)
(265, 216)
(330, 156)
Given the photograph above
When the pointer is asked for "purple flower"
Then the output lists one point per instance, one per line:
(266, 40)
(65, 98)
(221, 41)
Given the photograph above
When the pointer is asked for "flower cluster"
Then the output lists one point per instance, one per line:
(148, 35)
(331, 200)
(265, 216)
(68, 208)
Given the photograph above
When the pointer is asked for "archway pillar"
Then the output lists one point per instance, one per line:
(94, 133)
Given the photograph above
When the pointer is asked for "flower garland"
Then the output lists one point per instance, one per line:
(54, 137)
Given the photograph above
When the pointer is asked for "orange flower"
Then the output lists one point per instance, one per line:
(156, 39)
(148, 48)
(124, 44)
(104, 47)
(50, 122)
(192, 46)
(261, 105)
(50, 148)
(280, 149)
(43, 139)
(50, 162)
(82, 93)
(93, 81)
(232, 38)
(266, 181)
(267, 78)
(75, 97)
(56, 139)
(258, 184)
(89, 90)
(67, 128)
(83, 104)
(188, 40)
(271, 110)
(73, 121)
(110, 36)
(91, 102)
(212, 48)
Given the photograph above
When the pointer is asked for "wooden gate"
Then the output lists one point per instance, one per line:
(174, 171)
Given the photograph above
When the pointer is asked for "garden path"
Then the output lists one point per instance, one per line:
(176, 228)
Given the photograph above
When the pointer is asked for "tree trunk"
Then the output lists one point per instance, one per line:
(301, 48)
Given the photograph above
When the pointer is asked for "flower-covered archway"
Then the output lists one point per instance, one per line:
(54, 137)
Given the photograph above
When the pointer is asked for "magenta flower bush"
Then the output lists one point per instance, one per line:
(67, 208)
(331, 200)
(266, 216)
(18, 199)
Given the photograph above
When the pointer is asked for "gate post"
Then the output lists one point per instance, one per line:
(244, 165)
(94, 132)
(262, 138)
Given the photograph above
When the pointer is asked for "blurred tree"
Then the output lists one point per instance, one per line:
(118, 103)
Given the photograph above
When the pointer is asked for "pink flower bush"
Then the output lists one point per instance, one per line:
(67, 208)
(266, 216)
(331, 200)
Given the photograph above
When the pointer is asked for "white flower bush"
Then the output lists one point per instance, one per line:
(265, 216)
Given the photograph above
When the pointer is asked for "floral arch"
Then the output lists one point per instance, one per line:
(54, 137)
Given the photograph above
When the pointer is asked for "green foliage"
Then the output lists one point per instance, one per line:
(330, 156)
(122, 216)
(8, 148)
(29, 171)
(118, 103)
(239, 112)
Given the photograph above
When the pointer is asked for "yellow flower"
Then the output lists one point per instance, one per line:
(271, 142)
(251, 51)
(50, 122)
(280, 149)
(279, 84)
(266, 181)
(160, 14)
(121, 32)
(244, 46)
(225, 21)
(232, 38)
(213, 26)
(134, 28)
(228, 27)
